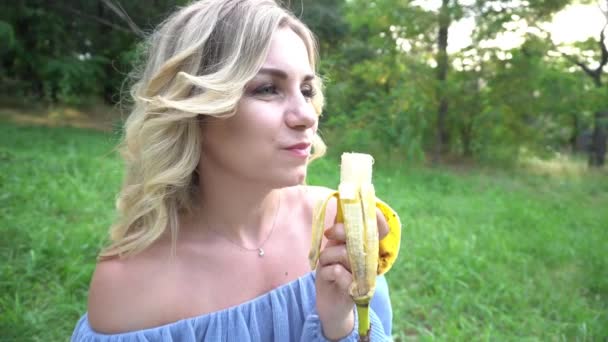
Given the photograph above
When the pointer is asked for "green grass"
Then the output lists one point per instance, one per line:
(486, 255)
(56, 200)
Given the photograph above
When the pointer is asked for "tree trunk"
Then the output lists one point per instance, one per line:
(597, 152)
(442, 133)
(466, 134)
(468, 121)
(29, 71)
(575, 132)
(108, 92)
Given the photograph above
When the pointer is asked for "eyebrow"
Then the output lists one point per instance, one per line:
(282, 74)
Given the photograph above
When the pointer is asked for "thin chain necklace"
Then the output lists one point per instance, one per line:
(259, 249)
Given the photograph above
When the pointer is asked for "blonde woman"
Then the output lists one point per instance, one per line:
(214, 223)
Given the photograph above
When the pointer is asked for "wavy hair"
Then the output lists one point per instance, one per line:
(196, 64)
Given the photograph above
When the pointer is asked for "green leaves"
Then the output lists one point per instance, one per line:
(69, 79)
(380, 60)
(7, 36)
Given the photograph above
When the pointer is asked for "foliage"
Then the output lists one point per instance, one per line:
(70, 51)
(500, 102)
(325, 18)
(381, 63)
(7, 35)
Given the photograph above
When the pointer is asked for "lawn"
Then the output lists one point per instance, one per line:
(487, 254)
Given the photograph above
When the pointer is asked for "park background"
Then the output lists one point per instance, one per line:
(488, 121)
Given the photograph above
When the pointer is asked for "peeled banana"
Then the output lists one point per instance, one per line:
(368, 256)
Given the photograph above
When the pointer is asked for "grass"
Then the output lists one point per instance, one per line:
(487, 254)
(56, 201)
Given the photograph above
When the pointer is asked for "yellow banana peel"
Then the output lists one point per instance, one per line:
(368, 256)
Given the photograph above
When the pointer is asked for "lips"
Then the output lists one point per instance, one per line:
(300, 150)
(300, 146)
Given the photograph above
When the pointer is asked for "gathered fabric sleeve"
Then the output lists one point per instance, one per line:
(285, 314)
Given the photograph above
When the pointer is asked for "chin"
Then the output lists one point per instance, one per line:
(290, 178)
(300, 176)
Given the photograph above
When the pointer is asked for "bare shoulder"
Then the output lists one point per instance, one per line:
(306, 195)
(124, 295)
(312, 195)
(315, 193)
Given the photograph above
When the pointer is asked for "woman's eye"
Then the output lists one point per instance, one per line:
(268, 89)
(308, 91)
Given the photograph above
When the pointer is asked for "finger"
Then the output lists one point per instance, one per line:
(336, 274)
(331, 211)
(335, 255)
(383, 228)
(336, 232)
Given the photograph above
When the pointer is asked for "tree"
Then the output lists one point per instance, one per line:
(597, 150)
(442, 71)
(71, 51)
(535, 16)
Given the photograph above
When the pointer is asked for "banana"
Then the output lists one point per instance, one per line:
(368, 256)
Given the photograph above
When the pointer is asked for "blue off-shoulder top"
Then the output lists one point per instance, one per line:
(287, 313)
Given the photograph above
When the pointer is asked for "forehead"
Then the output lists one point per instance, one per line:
(288, 52)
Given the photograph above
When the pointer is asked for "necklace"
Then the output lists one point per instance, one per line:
(259, 249)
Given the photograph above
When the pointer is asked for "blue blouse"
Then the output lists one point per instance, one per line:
(287, 313)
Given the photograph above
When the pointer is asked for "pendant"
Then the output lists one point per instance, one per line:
(260, 252)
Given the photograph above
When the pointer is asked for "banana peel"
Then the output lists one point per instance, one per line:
(368, 256)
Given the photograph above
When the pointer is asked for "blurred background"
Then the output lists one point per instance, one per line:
(488, 121)
(429, 80)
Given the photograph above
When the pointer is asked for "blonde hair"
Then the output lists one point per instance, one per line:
(197, 64)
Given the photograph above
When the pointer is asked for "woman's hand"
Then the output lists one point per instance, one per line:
(333, 281)
(334, 304)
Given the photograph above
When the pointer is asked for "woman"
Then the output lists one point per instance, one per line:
(214, 228)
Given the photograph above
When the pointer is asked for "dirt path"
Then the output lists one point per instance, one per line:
(102, 118)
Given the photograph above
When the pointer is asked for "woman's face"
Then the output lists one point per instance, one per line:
(268, 139)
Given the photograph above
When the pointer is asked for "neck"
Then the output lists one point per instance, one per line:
(242, 211)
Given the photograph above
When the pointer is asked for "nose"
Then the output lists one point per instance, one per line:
(300, 112)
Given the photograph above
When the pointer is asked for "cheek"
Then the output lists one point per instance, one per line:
(261, 120)
(252, 133)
